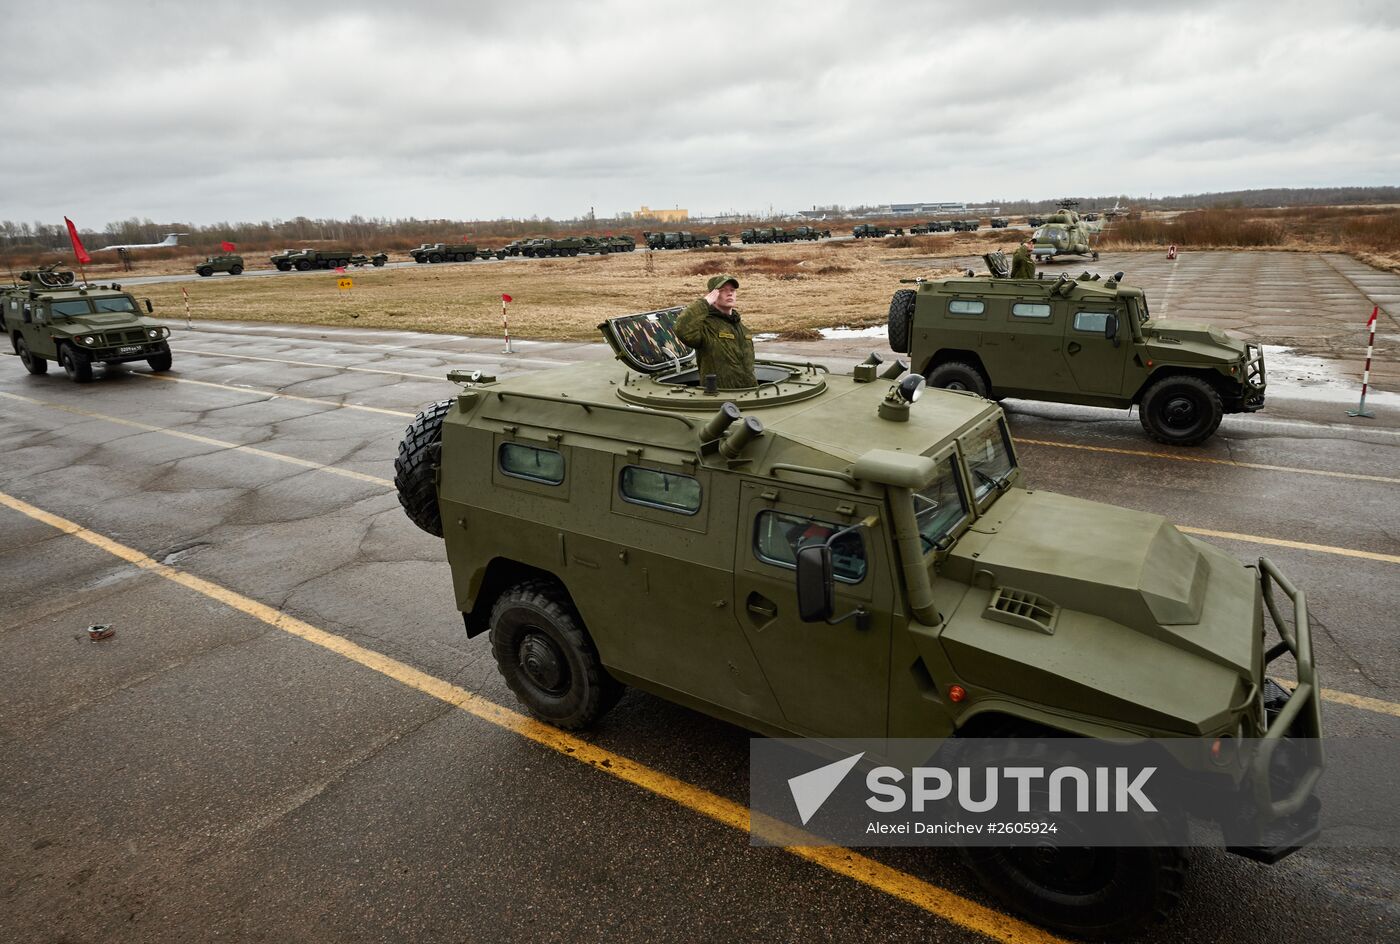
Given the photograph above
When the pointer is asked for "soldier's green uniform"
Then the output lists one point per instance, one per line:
(722, 345)
(1022, 265)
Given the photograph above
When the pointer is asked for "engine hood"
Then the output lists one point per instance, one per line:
(1170, 335)
(1146, 625)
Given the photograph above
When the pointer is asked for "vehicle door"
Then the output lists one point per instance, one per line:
(1095, 361)
(1022, 346)
(36, 327)
(829, 680)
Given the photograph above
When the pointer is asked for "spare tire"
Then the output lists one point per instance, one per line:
(901, 317)
(415, 467)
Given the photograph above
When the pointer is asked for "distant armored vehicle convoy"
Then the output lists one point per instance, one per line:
(1077, 341)
(826, 555)
(443, 252)
(47, 317)
(874, 231)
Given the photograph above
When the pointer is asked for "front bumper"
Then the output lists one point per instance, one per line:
(124, 353)
(1254, 378)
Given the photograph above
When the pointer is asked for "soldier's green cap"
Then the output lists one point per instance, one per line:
(718, 280)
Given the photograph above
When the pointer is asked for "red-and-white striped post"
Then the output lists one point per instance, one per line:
(1366, 374)
(186, 292)
(504, 323)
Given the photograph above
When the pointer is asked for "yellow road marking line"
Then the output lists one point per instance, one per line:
(931, 898)
(1296, 545)
(1212, 461)
(280, 360)
(275, 395)
(1364, 702)
(206, 440)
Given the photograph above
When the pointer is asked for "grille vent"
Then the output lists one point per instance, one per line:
(1022, 608)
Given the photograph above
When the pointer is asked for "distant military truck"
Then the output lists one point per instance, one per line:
(359, 259)
(1034, 220)
(806, 232)
(1078, 341)
(832, 555)
(932, 226)
(620, 243)
(869, 231)
(444, 252)
(753, 236)
(724, 239)
(49, 319)
(228, 262)
(681, 240)
(304, 259)
(1000, 222)
(515, 247)
(965, 226)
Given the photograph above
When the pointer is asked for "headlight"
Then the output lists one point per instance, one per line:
(89, 339)
(153, 332)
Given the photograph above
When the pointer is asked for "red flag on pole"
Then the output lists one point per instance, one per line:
(78, 250)
(226, 247)
(507, 298)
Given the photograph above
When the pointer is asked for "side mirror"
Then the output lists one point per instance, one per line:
(816, 592)
(1110, 329)
(149, 309)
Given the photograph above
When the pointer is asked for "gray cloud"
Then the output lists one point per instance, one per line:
(178, 111)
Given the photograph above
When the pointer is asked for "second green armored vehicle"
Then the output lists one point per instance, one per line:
(228, 262)
(305, 259)
(1078, 341)
(615, 525)
(78, 325)
(444, 252)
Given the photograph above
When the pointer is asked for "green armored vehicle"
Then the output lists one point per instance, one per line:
(228, 262)
(48, 317)
(444, 252)
(965, 226)
(304, 259)
(1077, 341)
(620, 243)
(613, 525)
(1000, 222)
(869, 231)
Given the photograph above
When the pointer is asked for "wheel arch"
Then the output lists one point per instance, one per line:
(498, 576)
(1167, 371)
(949, 354)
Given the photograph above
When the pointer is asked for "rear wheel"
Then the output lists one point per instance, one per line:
(76, 364)
(546, 657)
(901, 318)
(1181, 411)
(416, 465)
(435, 257)
(161, 362)
(303, 265)
(955, 375)
(235, 270)
(32, 362)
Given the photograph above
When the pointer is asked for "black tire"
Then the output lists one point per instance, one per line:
(32, 362)
(284, 267)
(547, 659)
(76, 364)
(416, 466)
(204, 271)
(955, 375)
(161, 362)
(235, 270)
(435, 257)
(1181, 410)
(901, 318)
(303, 265)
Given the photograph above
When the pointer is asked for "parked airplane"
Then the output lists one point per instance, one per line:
(171, 239)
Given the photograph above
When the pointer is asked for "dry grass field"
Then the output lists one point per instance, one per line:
(789, 289)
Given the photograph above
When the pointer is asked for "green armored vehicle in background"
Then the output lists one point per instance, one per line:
(869, 231)
(444, 252)
(228, 262)
(1077, 341)
(1000, 222)
(620, 243)
(48, 318)
(614, 525)
(304, 259)
(965, 226)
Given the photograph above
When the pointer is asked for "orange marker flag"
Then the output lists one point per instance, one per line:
(78, 250)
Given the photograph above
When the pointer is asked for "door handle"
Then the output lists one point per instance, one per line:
(1073, 347)
(761, 606)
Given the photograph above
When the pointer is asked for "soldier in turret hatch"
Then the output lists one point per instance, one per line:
(712, 327)
(1022, 265)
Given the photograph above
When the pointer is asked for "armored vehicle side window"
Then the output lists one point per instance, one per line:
(1031, 310)
(119, 303)
(660, 489)
(1092, 322)
(940, 506)
(966, 306)
(777, 536)
(533, 463)
(989, 459)
(71, 307)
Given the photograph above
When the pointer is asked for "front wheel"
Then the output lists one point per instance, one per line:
(547, 659)
(955, 375)
(161, 362)
(76, 364)
(204, 272)
(32, 362)
(303, 265)
(1181, 411)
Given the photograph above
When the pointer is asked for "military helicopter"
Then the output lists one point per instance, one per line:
(1063, 233)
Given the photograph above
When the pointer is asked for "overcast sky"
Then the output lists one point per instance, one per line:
(249, 111)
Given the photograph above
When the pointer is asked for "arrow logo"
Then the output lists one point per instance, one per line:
(811, 790)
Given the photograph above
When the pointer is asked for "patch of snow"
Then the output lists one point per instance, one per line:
(1294, 376)
(766, 336)
(844, 333)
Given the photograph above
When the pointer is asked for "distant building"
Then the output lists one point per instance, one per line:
(662, 216)
(923, 209)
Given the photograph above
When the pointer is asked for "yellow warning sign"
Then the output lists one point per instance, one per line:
(345, 284)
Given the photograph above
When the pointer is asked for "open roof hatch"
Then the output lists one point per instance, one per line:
(647, 341)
